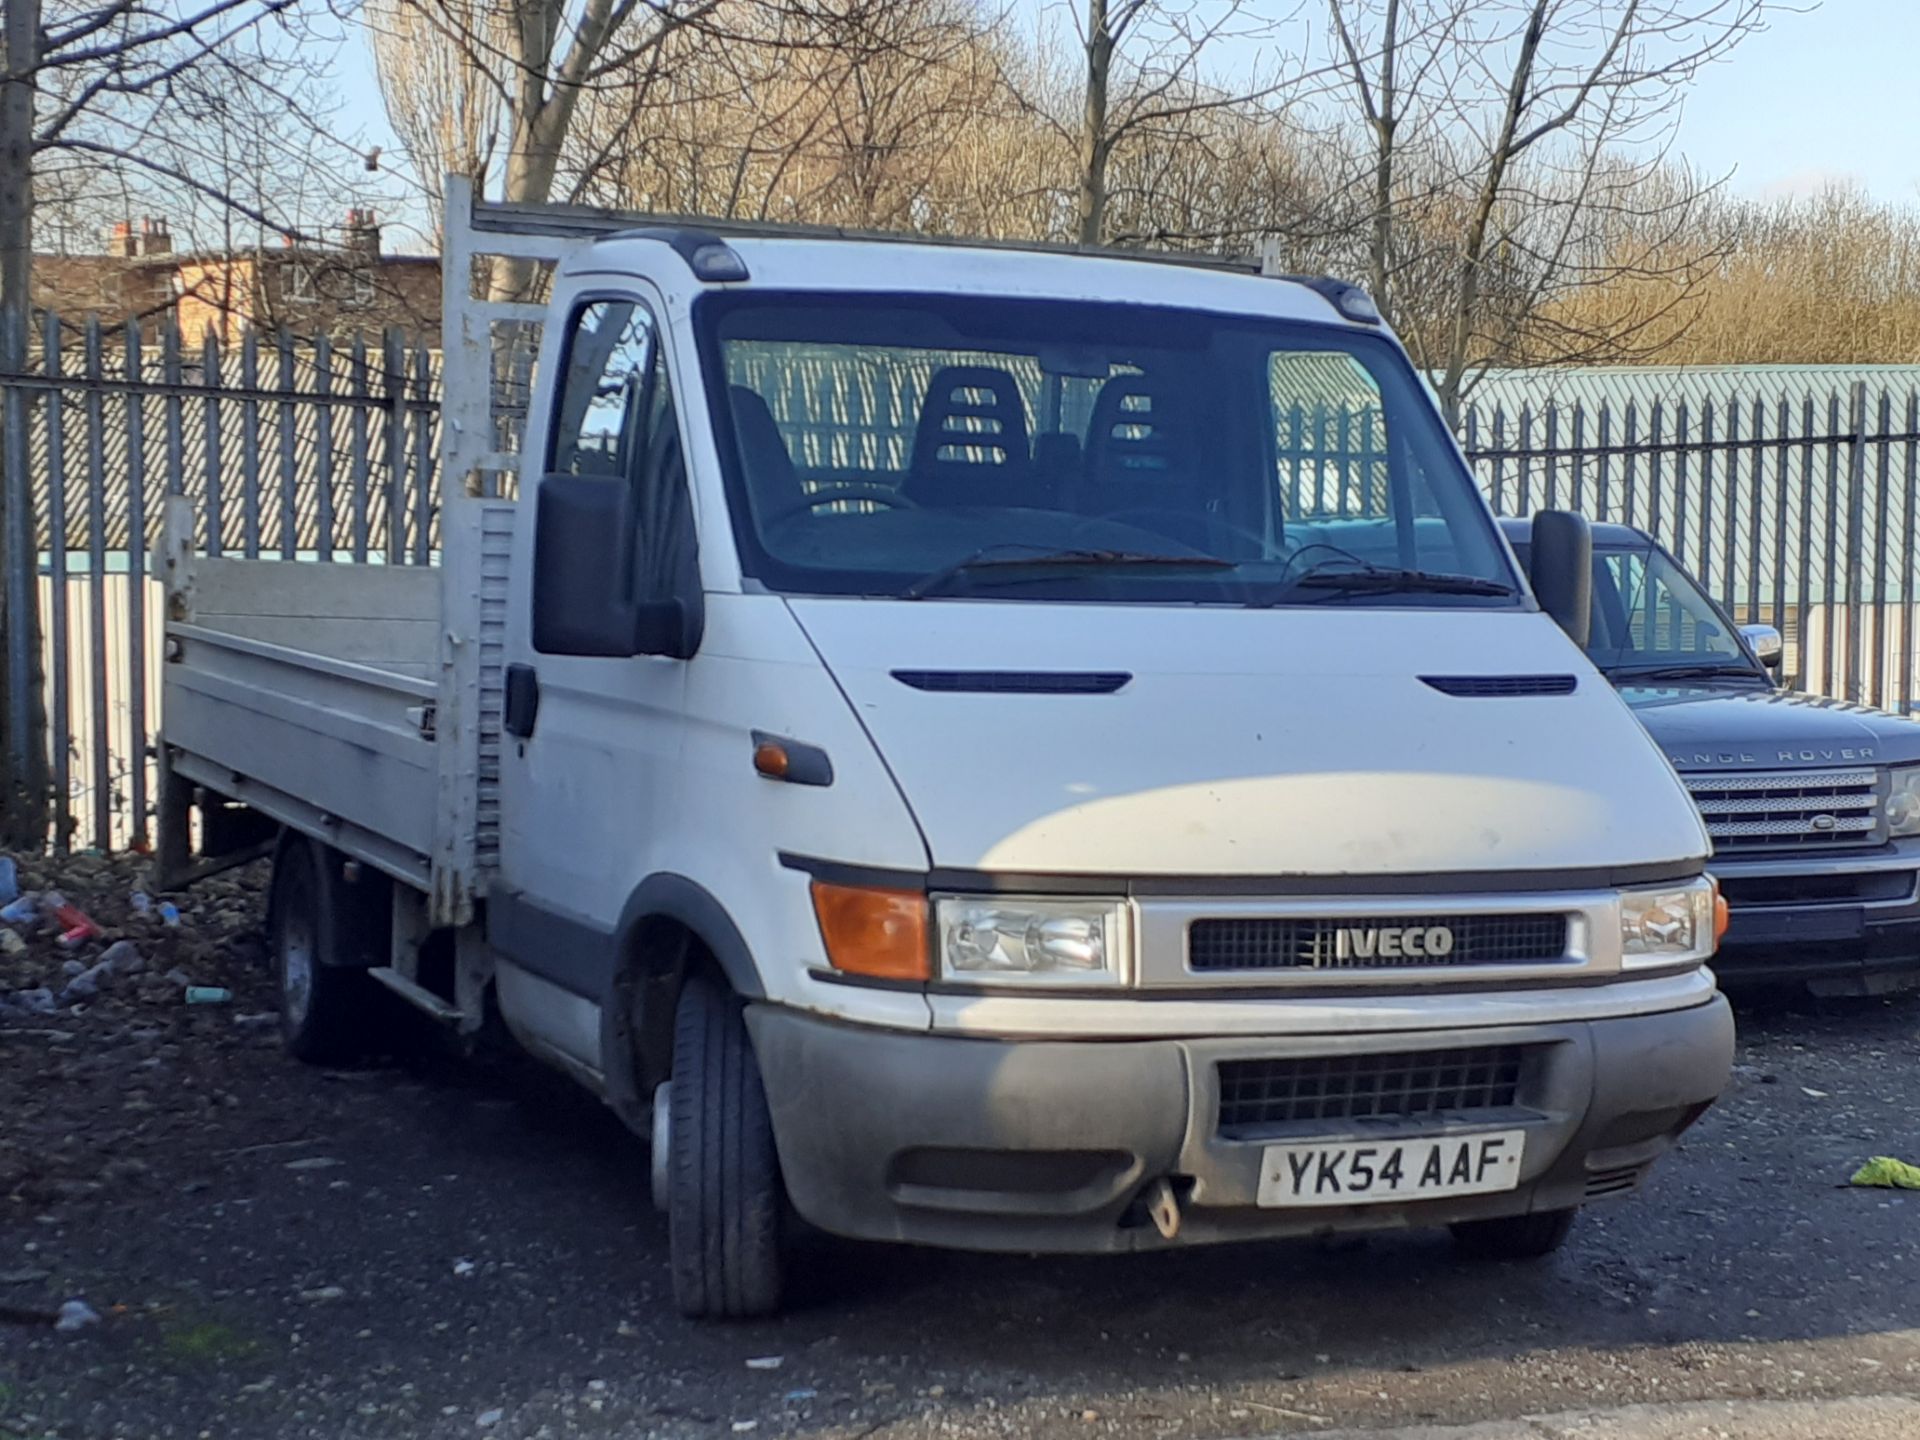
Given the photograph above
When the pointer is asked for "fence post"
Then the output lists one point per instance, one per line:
(323, 446)
(26, 758)
(135, 371)
(393, 362)
(1910, 555)
(289, 385)
(1704, 560)
(1856, 499)
(250, 445)
(95, 411)
(423, 458)
(362, 390)
(1683, 450)
(1882, 522)
(60, 720)
(211, 375)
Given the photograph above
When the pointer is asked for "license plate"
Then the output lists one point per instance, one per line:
(1360, 1172)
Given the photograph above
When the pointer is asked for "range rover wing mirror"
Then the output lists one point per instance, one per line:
(1561, 570)
(1766, 644)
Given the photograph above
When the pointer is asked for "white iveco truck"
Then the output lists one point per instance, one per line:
(971, 745)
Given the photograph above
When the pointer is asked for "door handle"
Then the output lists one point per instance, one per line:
(523, 700)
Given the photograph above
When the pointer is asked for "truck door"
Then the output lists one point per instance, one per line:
(593, 722)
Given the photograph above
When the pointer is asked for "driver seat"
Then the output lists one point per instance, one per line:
(766, 465)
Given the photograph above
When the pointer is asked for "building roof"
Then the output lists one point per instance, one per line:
(1695, 386)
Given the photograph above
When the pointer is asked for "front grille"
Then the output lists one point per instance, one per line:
(1357, 942)
(1258, 1095)
(1602, 1183)
(1820, 809)
(1873, 886)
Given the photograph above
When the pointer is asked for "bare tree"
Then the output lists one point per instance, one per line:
(442, 99)
(1382, 80)
(1825, 279)
(1145, 69)
(533, 61)
(1508, 152)
(852, 116)
(207, 103)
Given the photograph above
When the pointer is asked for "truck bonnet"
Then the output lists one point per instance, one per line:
(1213, 741)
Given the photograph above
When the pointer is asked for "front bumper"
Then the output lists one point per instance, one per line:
(1847, 922)
(1051, 1145)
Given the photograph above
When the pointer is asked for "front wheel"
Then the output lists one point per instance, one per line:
(723, 1189)
(1515, 1237)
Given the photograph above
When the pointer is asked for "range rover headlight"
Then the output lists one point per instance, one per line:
(1903, 800)
(1669, 926)
(1000, 939)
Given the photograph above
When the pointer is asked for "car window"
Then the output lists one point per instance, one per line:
(1648, 610)
(617, 420)
(1665, 616)
(606, 397)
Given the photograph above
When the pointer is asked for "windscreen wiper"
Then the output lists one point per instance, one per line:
(1384, 580)
(1697, 671)
(988, 558)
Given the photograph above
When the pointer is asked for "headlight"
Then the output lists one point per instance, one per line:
(1903, 800)
(1670, 926)
(999, 939)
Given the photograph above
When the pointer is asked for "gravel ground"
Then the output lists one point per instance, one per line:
(451, 1248)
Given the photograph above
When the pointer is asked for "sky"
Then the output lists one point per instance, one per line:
(1825, 94)
(1821, 96)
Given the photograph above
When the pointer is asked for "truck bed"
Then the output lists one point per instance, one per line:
(332, 697)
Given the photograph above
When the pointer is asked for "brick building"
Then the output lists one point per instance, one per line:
(335, 288)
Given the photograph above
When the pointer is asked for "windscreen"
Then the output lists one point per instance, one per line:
(1648, 612)
(1074, 451)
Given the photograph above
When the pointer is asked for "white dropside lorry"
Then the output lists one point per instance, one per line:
(971, 745)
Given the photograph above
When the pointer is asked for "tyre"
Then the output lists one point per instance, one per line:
(326, 1009)
(724, 1195)
(1515, 1237)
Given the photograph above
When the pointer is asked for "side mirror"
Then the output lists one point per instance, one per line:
(1561, 570)
(1766, 644)
(583, 544)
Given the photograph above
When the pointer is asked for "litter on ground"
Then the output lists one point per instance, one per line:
(1889, 1173)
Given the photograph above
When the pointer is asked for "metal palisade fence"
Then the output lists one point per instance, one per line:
(298, 449)
(1794, 500)
(1794, 506)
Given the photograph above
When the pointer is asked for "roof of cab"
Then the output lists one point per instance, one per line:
(882, 266)
(1519, 530)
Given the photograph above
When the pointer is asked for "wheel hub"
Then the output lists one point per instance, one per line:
(662, 1142)
(296, 971)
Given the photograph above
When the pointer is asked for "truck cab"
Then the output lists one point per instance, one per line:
(1813, 803)
(1007, 750)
